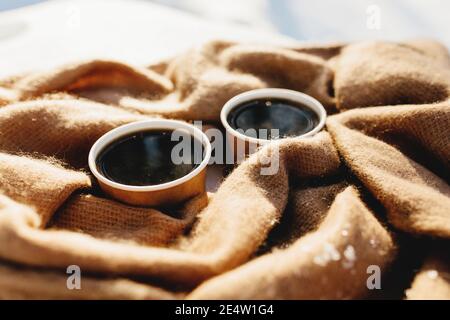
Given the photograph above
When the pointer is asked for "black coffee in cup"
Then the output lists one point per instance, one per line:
(290, 118)
(145, 158)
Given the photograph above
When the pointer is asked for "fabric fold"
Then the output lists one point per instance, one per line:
(330, 263)
(416, 200)
(432, 282)
(410, 72)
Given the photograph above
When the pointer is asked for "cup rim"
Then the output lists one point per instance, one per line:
(138, 126)
(279, 93)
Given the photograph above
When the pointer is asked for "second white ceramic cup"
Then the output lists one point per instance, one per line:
(236, 139)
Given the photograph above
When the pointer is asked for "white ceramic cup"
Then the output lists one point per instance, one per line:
(153, 195)
(236, 138)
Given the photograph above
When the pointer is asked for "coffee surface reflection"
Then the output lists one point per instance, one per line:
(145, 158)
(289, 117)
